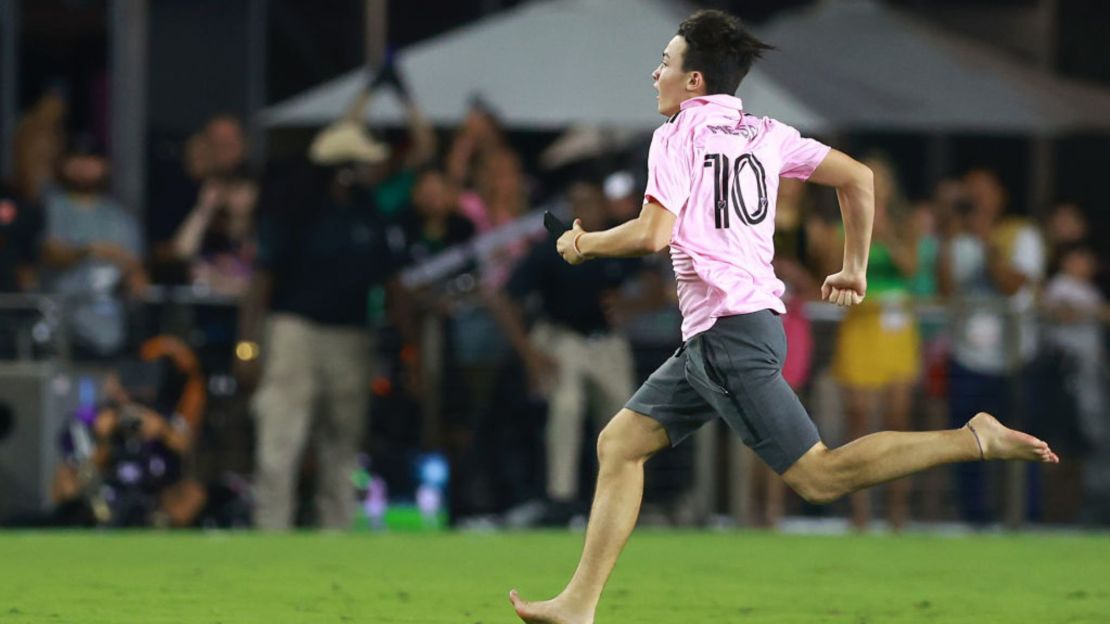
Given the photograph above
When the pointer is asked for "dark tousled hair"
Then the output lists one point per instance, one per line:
(718, 46)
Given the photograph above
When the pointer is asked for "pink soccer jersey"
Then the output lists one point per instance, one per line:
(718, 170)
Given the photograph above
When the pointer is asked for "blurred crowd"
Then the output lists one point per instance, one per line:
(508, 362)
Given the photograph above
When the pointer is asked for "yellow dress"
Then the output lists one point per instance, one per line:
(877, 342)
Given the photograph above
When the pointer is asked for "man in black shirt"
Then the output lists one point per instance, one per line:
(575, 356)
(322, 248)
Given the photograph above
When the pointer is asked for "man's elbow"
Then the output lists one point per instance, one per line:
(652, 242)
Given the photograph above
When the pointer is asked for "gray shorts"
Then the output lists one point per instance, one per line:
(734, 370)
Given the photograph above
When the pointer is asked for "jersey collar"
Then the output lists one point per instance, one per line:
(720, 99)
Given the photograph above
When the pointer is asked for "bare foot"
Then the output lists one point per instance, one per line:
(548, 612)
(1001, 442)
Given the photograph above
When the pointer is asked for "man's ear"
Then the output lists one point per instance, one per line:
(695, 81)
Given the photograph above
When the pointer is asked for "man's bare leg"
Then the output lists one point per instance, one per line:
(823, 475)
(623, 447)
(859, 407)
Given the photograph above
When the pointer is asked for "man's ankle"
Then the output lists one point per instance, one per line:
(975, 444)
(574, 595)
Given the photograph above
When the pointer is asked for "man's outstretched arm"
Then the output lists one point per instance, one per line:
(855, 189)
(646, 234)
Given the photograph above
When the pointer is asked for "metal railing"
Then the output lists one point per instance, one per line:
(38, 322)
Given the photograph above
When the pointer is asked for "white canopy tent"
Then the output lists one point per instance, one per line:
(841, 65)
(548, 64)
(866, 65)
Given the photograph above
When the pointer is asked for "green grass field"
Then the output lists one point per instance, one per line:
(682, 577)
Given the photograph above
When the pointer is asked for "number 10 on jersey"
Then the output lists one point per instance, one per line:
(728, 189)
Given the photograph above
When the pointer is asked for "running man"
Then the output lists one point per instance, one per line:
(713, 173)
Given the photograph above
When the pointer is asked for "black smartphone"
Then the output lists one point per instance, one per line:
(554, 224)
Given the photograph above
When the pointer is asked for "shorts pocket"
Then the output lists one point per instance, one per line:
(712, 373)
(745, 410)
(698, 368)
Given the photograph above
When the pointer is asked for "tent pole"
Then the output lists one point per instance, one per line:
(257, 12)
(376, 30)
(1042, 167)
(1040, 186)
(1041, 183)
(127, 27)
(9, 77)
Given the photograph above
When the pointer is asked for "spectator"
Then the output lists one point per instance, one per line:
(39, 142)
(94, 248)
(1065, 226)
(794, 265)
(934, 344)
(479, 136)
(1078, 311)
(989, 264)
(923, 223)
(195, 159)
(216, 239)
(500, 194)
(625, 199)
(224, 148)
(877, 358)
(575, 354)
(214, 156)
(393, 192)
(433, 223)
(322, 247)
(20, 230)
(500, 197)
(142, 434)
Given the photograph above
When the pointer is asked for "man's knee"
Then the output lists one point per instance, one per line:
(816, 476)
(816, 492)
(276, 463)
(630, 436)
(278, 447)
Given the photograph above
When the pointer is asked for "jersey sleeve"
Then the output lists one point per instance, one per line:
(668, 181)
(800, 155)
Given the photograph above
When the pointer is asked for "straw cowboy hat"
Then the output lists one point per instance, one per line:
(346, 141)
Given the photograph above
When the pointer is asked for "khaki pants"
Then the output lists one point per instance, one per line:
(596, 375)
(309, 370)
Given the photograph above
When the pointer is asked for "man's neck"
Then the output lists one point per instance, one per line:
(84, 199)
(689, 97)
